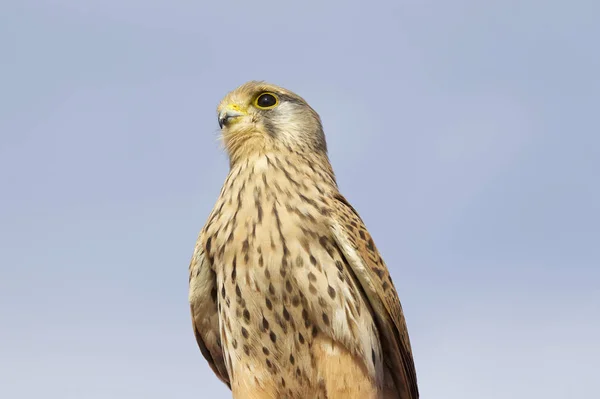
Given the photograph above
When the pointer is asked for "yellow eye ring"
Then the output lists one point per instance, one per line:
(266, 100)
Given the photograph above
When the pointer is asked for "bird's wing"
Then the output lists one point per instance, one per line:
(369, 268)
(205, 316)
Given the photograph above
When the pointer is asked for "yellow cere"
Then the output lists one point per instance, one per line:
(235, 107)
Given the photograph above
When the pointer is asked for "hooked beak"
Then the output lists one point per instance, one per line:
(227, 115)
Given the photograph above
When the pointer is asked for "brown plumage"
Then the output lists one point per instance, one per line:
(289, 296)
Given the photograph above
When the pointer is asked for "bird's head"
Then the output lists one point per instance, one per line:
(261, 117)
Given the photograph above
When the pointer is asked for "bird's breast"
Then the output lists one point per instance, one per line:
(280, 276)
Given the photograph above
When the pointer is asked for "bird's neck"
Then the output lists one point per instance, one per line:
(285, 170)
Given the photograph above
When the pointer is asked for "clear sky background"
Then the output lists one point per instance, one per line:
(466, 133)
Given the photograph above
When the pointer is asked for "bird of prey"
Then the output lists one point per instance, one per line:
(289, 295)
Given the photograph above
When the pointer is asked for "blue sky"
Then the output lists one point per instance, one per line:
(466, 133)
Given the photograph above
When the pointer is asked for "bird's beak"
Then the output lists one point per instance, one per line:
(230, 113)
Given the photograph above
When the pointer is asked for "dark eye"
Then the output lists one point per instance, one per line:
(266, 101)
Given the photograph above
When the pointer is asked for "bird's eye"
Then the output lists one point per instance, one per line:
(266, 101)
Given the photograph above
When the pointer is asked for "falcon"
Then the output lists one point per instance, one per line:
(289, 295)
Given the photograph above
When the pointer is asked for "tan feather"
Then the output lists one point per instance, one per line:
(370, 270)
(344, 374)
(203, 308)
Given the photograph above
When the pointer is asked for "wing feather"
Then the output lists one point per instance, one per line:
(205, 316)
(363, 257)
